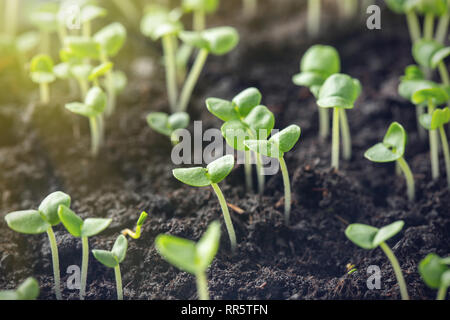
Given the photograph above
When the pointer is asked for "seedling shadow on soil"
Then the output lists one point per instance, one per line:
(304, 261)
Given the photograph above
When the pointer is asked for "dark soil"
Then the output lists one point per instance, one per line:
(41, 153)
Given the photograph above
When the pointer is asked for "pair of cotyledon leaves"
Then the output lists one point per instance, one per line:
(187, 255)
(436, 7)
(114, 257)
(436, 120)
(368, 237)
(435, 271)
(339, 91)
(93, 106)
(41, 69)
(392, 148)
(167, 124)
(244, 118)
(316, 66)
(430, 53)
(28, 290)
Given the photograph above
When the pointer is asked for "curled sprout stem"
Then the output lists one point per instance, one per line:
(84, 266)
(403, 165)
(192, 79)
(55, 261)
(335, 143)
(434, 147)
(118, 276)
(136, 234)
(226, 215)
(413, 26)
(324, 123)
(346, 137)
(397, 270)
(446, 151)
(202, 286)
(171, 70)
(287, 190)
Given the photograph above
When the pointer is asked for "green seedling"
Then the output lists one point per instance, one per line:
(250, 8)
(369, 238)
(216, 41)
(136, 234)
(41, 71)
(435, 272)
(314, 15)
(432, 97)
(431, 54)
(113, 259)
(317, 65)
(430, 9)
(191, 257)
(199, 9)
(408, 8)
(100, 71)
(82, 229)
(93, 107)
(244, 119)
(111, 39)
(89, 13)
(40, 221)
(393, 149)
(436, 122)
(276, 147)
(168, 125)
(339, 92)
(28, 290)
(160, 23)
(212, 175)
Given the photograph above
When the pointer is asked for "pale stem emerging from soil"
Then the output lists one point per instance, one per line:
(199, 20)
(118, 276)
(110, 89)
(413, 26)
(410, 184)
(446, 151)
(84, 266)
(55, 261)
(287, 190)
(248, 171)
(434, 147)
(192, 79)
(226, 215)
(397, 270)
(442, 28)
(442, 293)
(346, 136)
(324, 123)
(428, 29)
(202, 286)
(335, 143)
(95, 135)
(45, 93)
(171, 70)
(314, 10)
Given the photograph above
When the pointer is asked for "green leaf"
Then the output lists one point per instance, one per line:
(424, 50)
(142, 218)
(388, 232)
(179, 252)
(193, 39)
(311, 80)
(339, 91)
(235, 133)
(413, 72)
(160, 23)
(265, 148)
(106, 258)
(218, 41)
(435, 7)
(262, 121)
(158, 121)
(440, 117)
(81, 71)
(94, 226)
(195, 177)
(83, 47)
(28, 290)
(178, 120)
(100, 70)
(91, 12)
(208, 245)
(120, 248)
(392, 148)
(120, 81)
(207, 6)
(247, 100)
(425, 121)
(111, 38)
(362, 235)
(407, 88)
(287, 138)
(70, 220)
(49, 206)
(437, 96)
(41, 69)
(439, 57)
(96, 100)
(62, 70)
(219, 169)
(432, 269)
(27, 222)
(222, 109)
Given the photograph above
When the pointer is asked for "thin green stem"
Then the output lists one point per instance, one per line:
(202, 286)
(55, 261)
(118, 282)
(324, 123)
(335, 143)
(287, 191)
(413, 26)
(192, 79)
(442, 293)
(446, 151)
(442, 28)
(428, 29)
(226, 215)
(248, 171)
(95, 136)
(421, 130)
(45, 93)
(199, 20)
(171, 70)
(409, 178)
(444, 74)
(314, 13)
(434, 148)
(397, 270)
(346, 136)
(84, 266)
